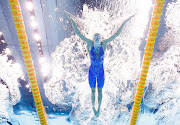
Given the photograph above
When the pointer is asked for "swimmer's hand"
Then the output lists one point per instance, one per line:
(88, 41)
(106, 41)
(68, 14)
(119, 30)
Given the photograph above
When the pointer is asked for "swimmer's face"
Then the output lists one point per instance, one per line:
(97, 37)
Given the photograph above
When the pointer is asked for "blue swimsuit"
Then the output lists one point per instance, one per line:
(96, 70)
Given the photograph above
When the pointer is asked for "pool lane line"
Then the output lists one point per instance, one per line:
(21, 32)
(157, 12)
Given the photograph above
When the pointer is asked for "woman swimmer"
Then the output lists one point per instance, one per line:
(96, 51)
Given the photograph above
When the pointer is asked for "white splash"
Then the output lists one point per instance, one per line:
(10, 94)
(146, 119)
(172, 22)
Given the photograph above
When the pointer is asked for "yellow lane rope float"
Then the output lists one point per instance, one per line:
(18, 21)
(147, 58)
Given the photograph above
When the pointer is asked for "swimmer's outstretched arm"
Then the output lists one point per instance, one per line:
(106, 41)
(88, 41)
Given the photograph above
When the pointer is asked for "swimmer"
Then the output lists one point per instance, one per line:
(96, 50)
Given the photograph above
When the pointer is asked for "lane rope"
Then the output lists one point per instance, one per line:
(147, 58)
(21, 32)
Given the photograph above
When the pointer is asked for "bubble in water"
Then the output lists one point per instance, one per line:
(56, 9)
(60, 19)
(50, 16)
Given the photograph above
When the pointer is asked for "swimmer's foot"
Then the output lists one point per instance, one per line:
(94, 110)
(97, 113)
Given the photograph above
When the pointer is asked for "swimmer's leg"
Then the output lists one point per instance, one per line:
(92, 83)
(93, 99)
(100, 81)
(99, 101)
